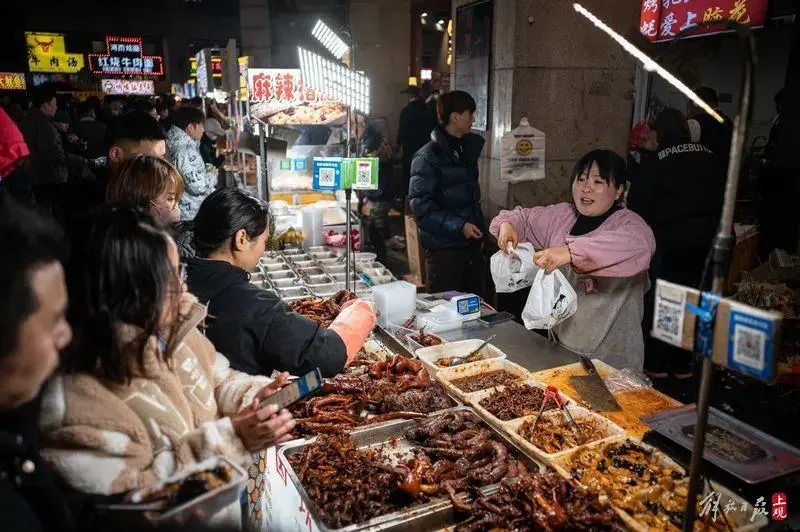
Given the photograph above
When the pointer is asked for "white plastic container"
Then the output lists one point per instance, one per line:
(440, 319)
(312, 227)
(395, 302)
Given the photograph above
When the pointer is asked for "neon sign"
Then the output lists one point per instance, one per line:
(125, 56)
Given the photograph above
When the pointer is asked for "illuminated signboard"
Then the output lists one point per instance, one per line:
(12, 81)
(216, 67)
(662, 20)
(128, 86)
(279, 97)
(124, 56)
(47, 53)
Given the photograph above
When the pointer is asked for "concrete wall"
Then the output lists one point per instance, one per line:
(256, 34)
(382, 32)
(569, 79)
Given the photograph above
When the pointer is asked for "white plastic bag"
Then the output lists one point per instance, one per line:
(514, 270)
(551, 301)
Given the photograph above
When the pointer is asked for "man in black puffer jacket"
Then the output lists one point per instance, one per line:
(445, 196)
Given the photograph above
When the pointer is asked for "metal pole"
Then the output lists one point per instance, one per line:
(723, 247)
(262, 181)
(348, 192)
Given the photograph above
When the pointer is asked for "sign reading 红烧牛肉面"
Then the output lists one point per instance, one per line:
(124, 56)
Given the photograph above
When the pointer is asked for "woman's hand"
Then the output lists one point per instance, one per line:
(551, 259)
(260, 428)
(507, 235)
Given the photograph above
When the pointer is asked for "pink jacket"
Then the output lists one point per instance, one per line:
(621, 247)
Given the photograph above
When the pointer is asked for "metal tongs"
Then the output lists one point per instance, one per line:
(551, 392)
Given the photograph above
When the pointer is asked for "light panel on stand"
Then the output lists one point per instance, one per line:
(335, 80)
(328, 38)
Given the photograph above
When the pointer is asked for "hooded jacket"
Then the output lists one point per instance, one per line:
(444, 192)
(184, 153)
(257, 331)
(105, 438)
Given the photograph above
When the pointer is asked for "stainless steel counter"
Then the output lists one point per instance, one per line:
(526, 348)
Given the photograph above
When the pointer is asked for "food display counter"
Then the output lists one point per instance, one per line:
(381, 449)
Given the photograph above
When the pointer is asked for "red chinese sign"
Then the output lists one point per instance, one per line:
(663, 20)
(779, 503)
(12, 81)
(278, 86)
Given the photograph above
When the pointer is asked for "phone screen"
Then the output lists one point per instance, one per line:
(493, 319)
(294, 391)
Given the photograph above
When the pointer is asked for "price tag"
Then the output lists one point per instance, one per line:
(327, 173)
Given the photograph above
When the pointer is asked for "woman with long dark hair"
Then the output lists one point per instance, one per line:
(143, 394)
(255, 330)
(604, 251)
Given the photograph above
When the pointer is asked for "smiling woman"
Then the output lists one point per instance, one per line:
(608, 248)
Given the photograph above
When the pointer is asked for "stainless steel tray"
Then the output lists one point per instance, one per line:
(270, 267)
(780, 457)
(433, 515)
(284, 283)
(287, 274)
(295, 292)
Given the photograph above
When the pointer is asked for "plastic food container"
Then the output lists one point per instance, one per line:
(578, 413)
(395, 302)
(429, 355)
(404, 335)
(475, 399)
(447, 375)
(211, 503)
(440, 321)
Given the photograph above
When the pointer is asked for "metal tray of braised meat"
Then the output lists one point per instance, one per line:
(393, 441)
(743, 451)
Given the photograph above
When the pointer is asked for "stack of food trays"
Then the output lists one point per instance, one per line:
(298, 273)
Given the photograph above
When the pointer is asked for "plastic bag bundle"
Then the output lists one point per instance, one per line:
(514, 270)
(551, 301)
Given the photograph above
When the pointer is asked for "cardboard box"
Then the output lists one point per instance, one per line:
(416, 255)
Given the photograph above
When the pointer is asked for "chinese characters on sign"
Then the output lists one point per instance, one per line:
(662, 20)
(128, 86)
(12, 81)
(278, 85)
(124, 55)
(47, 53)
(715, 508)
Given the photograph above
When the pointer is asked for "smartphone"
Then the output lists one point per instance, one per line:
(494, 319)
(294, 391)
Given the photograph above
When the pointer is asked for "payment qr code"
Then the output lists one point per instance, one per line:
(364, 175)
(749, 347)
(327, 177)
(668, 319)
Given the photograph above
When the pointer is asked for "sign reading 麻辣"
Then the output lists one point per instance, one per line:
(125, 56)
(12, 81)
(47, 53)
(663, 20)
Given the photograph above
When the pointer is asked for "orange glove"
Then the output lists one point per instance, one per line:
(353, 325)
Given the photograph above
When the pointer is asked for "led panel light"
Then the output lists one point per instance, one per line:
(335, 81)
(328, 38)
(648, 63)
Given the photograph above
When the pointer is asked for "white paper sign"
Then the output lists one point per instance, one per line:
(669, 313)
(522, 153)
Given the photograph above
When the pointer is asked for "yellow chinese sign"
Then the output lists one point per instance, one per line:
(47, 53)
(12, 81)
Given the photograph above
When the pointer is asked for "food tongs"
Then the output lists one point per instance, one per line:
(551, 392)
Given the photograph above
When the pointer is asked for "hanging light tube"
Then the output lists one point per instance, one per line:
(648, 63)
(328, 38)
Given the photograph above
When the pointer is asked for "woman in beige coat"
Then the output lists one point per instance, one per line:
(143, 393)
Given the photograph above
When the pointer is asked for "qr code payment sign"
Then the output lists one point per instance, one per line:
(668, 315)
(364, 174)
(327, 177)
(749, 347)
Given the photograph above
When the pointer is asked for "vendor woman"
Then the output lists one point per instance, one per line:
(608, 249)
(254, 329)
